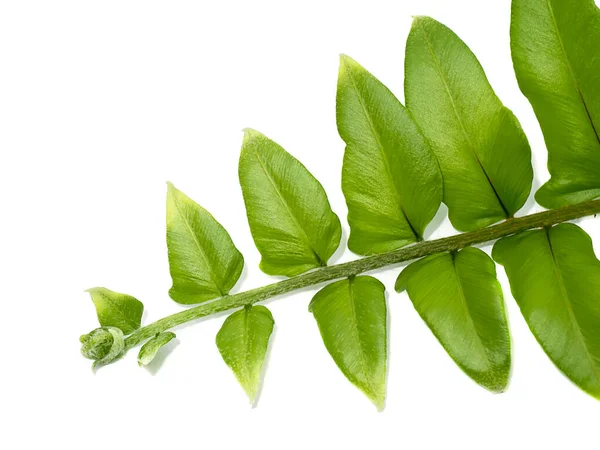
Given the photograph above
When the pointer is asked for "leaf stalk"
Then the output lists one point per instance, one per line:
(348, 269)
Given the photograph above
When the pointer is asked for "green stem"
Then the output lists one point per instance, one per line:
(321, 275)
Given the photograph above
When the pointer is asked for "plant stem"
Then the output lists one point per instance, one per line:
(418, 250)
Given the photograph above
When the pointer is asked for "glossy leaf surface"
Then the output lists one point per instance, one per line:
(203, 260)
(483, 153)
(460, 299)
(150, 349)
(555, 278)
(289, 214)
(117, 310)
(242, 341)
(351, 315)
(390, 177)
(556, 55)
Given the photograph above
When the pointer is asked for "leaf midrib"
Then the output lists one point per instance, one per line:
(462, 125)
(569, 308)
(118, 306)
(468, 311)
(571, 71)
(302, 233)
(246, 346)
(194, 237)
(356, 335)
(386, 162)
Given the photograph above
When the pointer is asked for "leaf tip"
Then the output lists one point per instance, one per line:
(172, 191)
(595, 394)
(347, 61)
(497, 386)
(250, 132)
(378, 400)
(421, 22)
(251, 393)
(251, 136)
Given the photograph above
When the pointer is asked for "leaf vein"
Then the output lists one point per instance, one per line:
(571, 71)
(356, 335)
(461, 123)
(569, 307)
(386, 162)
(302, 233)
(119, 307)
(465, 304)
(211, 271)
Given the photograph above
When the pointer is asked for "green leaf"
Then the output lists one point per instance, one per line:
(460, 299)
(242, 341)
(555, 278)
(151, 348)
(203, 260)
(290, 218)
(390, 177)
(483, 153)
(556, 55)
(117, 310)
(351, 315)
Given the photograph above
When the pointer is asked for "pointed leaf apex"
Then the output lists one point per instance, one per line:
(500, 385)
(378, 401)
(376, 397)
(250, 392)
(347, 61)
(421, 20)
(172, 190)
(251, 136)
(251, 132)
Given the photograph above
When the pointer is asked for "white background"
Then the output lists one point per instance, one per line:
(100, 104)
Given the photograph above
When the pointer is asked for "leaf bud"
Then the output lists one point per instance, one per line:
(103, 345)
